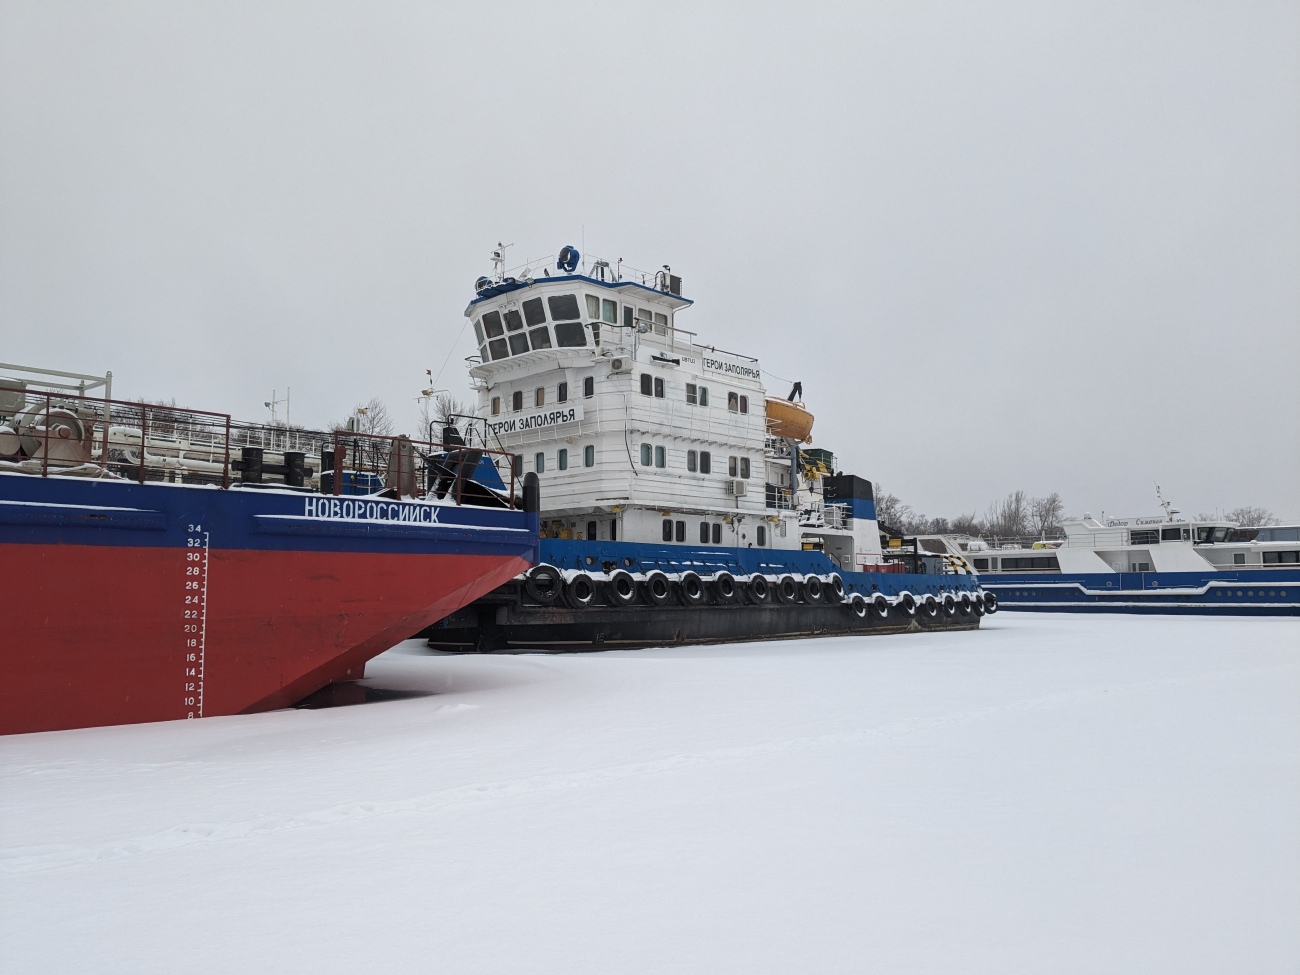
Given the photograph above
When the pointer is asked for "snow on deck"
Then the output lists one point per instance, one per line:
(1068, 793)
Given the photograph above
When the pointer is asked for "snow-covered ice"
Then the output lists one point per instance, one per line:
(1050, 794)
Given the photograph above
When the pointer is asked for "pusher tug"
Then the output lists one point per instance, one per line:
(170, 563)
(683, 504)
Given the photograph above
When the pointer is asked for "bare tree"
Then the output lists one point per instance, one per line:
(892, 512)
(1045, 514)
(1009, 517)
(1249, 517)
(966, 525)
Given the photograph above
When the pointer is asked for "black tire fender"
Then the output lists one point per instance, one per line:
(857, 605)
(759, 590)
(725, 589)
(990, 602)
(949, 605)
(881, 602)
(787, 590)
(621, 588)
(835, 582)
(814, 590)
(543, 584)
(690, 587)
(580, 591)
(964, 604)
(907, 604)
(658, 590)
(928, 607)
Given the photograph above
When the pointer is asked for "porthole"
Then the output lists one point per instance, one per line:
(1282, 593)
(1218, 592)
(1251, 592)
(1238, 592)
(1270, 592)
(591, 560)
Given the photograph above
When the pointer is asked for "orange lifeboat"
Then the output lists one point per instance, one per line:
(787, 419)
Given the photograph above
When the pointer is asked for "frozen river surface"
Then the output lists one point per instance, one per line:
(1051, 794)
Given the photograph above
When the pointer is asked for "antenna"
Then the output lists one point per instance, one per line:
(1170, 510)
(273, 404)
(499, 261)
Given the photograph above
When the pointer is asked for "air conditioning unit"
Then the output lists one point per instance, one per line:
(621, 365)
(735, 488)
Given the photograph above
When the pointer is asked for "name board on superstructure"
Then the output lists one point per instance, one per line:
(730, 367)
(537, 420)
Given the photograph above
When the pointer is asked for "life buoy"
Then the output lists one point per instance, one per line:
(759, 590)
(949, 605)
(858, 605)
(990, 603)
(657, 588)
(881, 603)
(814, 590)
(580, 591)
(543, 584)
(621, 588)
(964, 604)
(835, 582)
(907, 603)
(787, 590)
(691, 588)
(724, 587)
(929, 606)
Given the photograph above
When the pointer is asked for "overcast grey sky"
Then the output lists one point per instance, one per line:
(1050, 247)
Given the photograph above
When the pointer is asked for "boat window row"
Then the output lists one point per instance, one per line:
(697, 395)
(561, 529)
(562, 459)
(514, 332)
(710, 532)
(539, 396)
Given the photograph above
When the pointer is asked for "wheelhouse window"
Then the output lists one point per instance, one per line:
(540, 338)
(492, 325)
(593, 307)
(533, 312)
(589, 456)
(692, 461)
(661, 457)
(1172, 534)
(647, 455)
(647, 384)
(570, 335)
(513, 321)
(629, 316)
(744, 467)
(561, 392)
(609, 311)
(518, 343)
(706, 462)
(499, 349)
(562, 459)
(661, 323)
(589, 387)
(564, 308)
(645, 316)
(478, 331)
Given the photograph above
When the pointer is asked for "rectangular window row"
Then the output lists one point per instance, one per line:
(539, 396)
(710, 532)
(561, 460)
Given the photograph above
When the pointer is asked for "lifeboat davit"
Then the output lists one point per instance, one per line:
(787, 419)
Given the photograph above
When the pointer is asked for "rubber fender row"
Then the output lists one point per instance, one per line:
(546, 584)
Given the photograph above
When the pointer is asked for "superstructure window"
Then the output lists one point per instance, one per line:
(591, 531)
(496, 405)
(659, 387)
(564, 308)
(733, 402)
(561, 392)
(593, 307)
(706, 462)
(717, 534)
(539, 396)
(692, 394)
(609, 311)
(1144, 538)
(733, 466)
(589, 387)
(517, 400)
(661, 457)
(1281, 558)
(680, 531)
(562, 459)
(499, 349)
(668, 530)
(647, 384)
(692, 461)
(1030, 562)
(589, 456)
(1171, 534)
(533, 312)
(539, 463)
(744, 404)
(518, 343)
(492, 325)
(540, 338)
(570, 335)
(704, 395)
(704, 533)
(661, 323)
(744, 467)
(981, 565)
(647, 455)
(513, 322)
(629, 316)
(761, 535)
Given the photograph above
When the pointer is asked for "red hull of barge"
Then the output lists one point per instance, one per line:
(100, 634)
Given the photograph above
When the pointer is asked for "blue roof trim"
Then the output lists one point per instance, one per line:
(500, 289)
